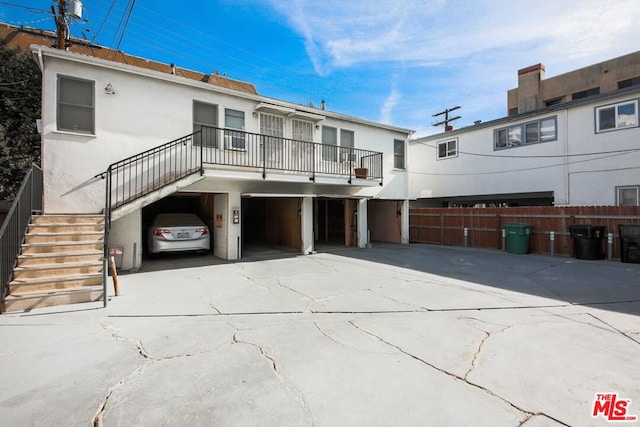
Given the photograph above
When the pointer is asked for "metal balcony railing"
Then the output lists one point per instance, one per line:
(273, 153)
(143, 173)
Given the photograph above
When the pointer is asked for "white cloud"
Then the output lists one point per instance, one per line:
(390, 102)
(340, 34)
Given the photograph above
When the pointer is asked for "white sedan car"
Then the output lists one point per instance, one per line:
(177, 232)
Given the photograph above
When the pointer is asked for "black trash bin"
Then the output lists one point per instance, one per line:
(588, 240)
(629, 242)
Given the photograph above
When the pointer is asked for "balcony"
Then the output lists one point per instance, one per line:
(215, 148)
(262, 153)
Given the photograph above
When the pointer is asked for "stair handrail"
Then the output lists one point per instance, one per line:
(175, 171)
(27, 201)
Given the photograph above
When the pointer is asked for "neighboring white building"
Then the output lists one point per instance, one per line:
(268, 171)
(582, 152)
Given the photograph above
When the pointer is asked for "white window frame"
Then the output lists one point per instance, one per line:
(208, 132)
(619, 198)
(235, 140)
(399, 157)
(449, 152)
(616, 117)
(516, 135)
(62, 105)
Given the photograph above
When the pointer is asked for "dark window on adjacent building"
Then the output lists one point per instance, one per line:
(448, 149)
(617, 116)
(586, 93)
(513, 111)
(554, 101)
(542, 130)
(76, 105)
(629, 82)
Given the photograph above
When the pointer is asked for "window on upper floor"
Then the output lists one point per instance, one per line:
(542, 130)
(629, 82)
(302, 130)
(628, 195)
(617, 116)
(234, 119)
(205, 120)
(448, 149)
(329, 137)
(398, 154)
(585, 93)
(76, 105)
(347, 142)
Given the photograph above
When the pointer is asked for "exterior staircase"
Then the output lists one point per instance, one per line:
(61, 262)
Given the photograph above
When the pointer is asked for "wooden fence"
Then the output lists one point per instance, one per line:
(446, 226)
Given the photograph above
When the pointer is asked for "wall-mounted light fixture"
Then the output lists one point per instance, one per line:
(254, 114)
(109, 90)
(317, 127)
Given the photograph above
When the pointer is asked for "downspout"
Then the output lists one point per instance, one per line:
(40, 60)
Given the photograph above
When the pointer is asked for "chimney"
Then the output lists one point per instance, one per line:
(530, 88)
(323, 103)
(173, 68)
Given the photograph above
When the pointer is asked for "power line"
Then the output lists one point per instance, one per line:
(549, 156)
(526, 169)
(106, 18)
(29, 9)
(124, 23)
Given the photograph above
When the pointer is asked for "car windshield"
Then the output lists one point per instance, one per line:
(169, 220)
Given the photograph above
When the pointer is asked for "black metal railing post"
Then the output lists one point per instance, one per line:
(107, 227)
(15, 226)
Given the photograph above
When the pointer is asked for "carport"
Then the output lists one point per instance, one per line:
(201, 204)
(335, 220)
(271, 222)
(384, 218)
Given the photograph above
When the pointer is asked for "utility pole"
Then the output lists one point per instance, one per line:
(61, 24)
(446, 120)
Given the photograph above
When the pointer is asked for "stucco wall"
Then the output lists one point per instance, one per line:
(556, 166)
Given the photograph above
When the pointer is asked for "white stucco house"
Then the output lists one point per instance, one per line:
(138, 138)
(582, 152)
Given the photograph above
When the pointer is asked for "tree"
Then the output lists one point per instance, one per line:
(20, 106)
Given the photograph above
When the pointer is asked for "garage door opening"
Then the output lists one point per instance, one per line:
(335, 222)
(200, 204)
(271, 224)
(384, 218)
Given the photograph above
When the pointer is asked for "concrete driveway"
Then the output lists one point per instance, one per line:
(394, 335)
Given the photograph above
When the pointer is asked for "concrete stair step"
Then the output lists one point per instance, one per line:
(47, 247)
(30, 301)
(56, 270)
(21, 287)
(65, 228)
(68, 219)
(59, 257)
(78, 236)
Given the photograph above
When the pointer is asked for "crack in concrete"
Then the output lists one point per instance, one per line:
(328, 336)
(215, 308)
(274, 366)
(421, 308)
(141, 350)
(624, 334)
(102, 409)
(528, 414)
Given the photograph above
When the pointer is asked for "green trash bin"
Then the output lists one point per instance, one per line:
(518, 234)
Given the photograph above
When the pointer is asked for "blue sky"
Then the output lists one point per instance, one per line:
(397, 61)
